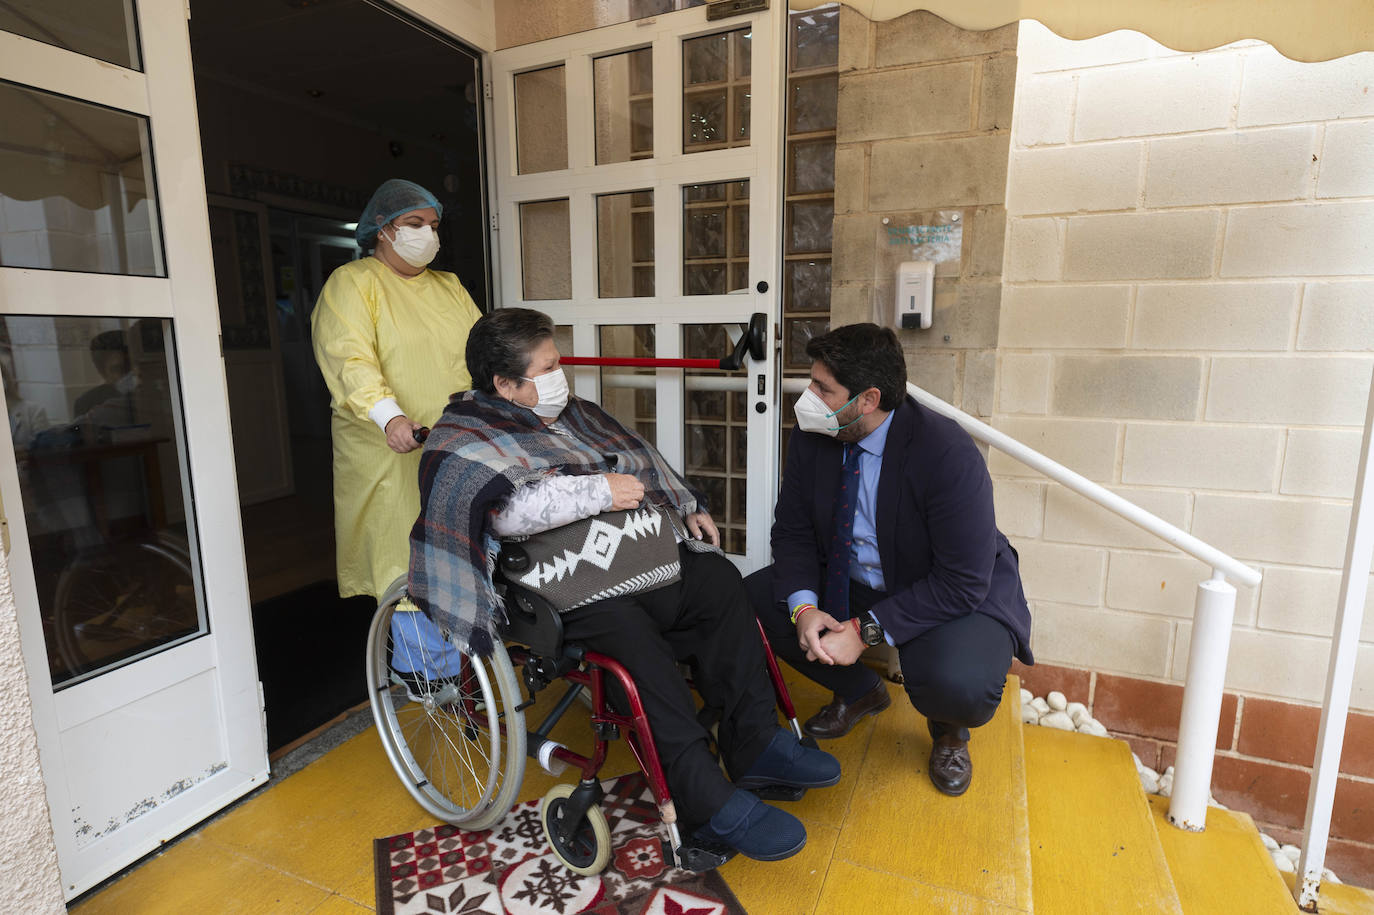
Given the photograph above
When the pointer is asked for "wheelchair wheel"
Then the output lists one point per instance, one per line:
(588, 850)
(123, 599)
(455, 735)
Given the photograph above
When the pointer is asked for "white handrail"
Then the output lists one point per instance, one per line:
(982, 432)
(1340, 675)
(1089, 490)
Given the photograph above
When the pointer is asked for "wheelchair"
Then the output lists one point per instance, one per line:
(453, 726)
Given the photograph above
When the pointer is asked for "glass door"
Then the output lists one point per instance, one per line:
(116, 468)
(636, 171)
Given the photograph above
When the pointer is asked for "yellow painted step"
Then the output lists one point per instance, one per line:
(934, 853)
(1093, 842)
(1223, 869)
(1337, 898)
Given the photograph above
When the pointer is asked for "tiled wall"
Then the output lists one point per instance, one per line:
(1187, 318)
(924, 122)
(1263, 764)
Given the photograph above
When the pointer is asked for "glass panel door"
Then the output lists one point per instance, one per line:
(117, 476)
(638, 185)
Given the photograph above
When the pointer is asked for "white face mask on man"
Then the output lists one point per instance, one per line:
(552, 388)
(416, 245)
(814, 416)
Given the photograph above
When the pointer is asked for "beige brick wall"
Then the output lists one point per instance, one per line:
(1187, 317)
(925, 113)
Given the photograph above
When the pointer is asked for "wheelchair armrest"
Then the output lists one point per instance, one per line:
(530, 620)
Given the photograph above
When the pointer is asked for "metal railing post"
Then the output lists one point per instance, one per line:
(1213, 614)
(1340, 674)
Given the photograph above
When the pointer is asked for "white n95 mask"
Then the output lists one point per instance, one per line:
(553, 393)
(416, 245)
(814, 416)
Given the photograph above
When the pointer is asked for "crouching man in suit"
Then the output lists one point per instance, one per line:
(884, 531)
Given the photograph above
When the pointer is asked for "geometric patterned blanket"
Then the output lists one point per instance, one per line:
(510, 870)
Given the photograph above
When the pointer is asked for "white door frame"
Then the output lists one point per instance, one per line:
(222, 661)
(666, 173)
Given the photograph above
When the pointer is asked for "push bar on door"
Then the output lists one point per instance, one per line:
(751, 343)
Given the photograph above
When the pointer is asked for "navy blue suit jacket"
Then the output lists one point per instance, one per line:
(942, 554)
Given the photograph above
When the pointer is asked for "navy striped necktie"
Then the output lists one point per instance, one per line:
(842, 537)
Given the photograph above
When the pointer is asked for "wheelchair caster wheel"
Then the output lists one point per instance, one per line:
(586, 848)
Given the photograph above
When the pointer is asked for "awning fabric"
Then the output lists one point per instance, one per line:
(1307, 30)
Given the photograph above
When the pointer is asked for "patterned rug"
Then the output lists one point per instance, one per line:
(510, 869)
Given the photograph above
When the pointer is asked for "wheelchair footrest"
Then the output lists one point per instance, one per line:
(780, 793)
(700, 856)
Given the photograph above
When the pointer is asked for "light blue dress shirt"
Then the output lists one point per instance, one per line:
(864, 564)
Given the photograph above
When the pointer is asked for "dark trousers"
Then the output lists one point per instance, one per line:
(705, 621)
(953, 673)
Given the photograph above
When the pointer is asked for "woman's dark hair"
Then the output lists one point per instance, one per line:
(500, 343)
(863, 356)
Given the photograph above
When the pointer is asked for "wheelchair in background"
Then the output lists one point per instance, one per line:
(453, 725)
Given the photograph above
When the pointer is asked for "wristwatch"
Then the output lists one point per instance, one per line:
(869, 630)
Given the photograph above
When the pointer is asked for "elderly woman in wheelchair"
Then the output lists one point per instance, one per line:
(595, 524)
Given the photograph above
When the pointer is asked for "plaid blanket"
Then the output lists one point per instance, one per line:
(477, 454)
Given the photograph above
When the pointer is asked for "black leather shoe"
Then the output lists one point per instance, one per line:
(951, 769)
(837, 718)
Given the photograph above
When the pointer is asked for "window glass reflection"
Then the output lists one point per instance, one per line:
(96, 427)
(76, 186)
(103, 29)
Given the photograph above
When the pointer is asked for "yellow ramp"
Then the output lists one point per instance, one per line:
(1094, 847)
(904, 835)
(1223, 869)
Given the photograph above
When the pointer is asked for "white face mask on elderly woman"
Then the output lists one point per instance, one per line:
(552, 388)
(416, 245)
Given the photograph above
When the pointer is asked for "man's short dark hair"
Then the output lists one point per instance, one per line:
(863, 356)
(500, 343)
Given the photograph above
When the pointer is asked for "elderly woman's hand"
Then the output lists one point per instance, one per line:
(626, 491)
(703, 528)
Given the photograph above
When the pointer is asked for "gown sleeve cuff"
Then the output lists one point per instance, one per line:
(384, 411)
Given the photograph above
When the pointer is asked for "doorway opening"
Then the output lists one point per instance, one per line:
(305, 107)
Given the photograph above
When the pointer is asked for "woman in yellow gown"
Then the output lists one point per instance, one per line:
(389, 335)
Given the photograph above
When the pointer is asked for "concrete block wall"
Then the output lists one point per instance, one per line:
(1188, 318)
(924, 121)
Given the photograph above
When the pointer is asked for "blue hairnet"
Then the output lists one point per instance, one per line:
(395, 197)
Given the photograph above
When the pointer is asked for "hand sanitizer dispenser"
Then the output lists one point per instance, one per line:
(915, 293)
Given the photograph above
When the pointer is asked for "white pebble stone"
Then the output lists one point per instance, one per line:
(1077, 711)
(1057, 701)
(1138, 764)
(1029, 715)
(1026, 696)
(1166, 785)
(1058, 720)
(1094, 727)
(1269, 841)
(1329, 877)
(1149, 781)
(1282, 863)
(1169, 771)
(1040, 705)
(1291, 852)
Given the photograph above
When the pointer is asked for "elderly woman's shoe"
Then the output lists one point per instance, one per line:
(786, 761)
(754, 829)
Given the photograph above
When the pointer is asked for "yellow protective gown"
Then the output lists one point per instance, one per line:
(378, 335)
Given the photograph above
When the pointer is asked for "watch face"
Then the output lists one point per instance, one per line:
(871, 633)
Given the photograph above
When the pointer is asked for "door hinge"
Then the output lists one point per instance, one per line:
(262, 712)
(495, 223)
(486, 90)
